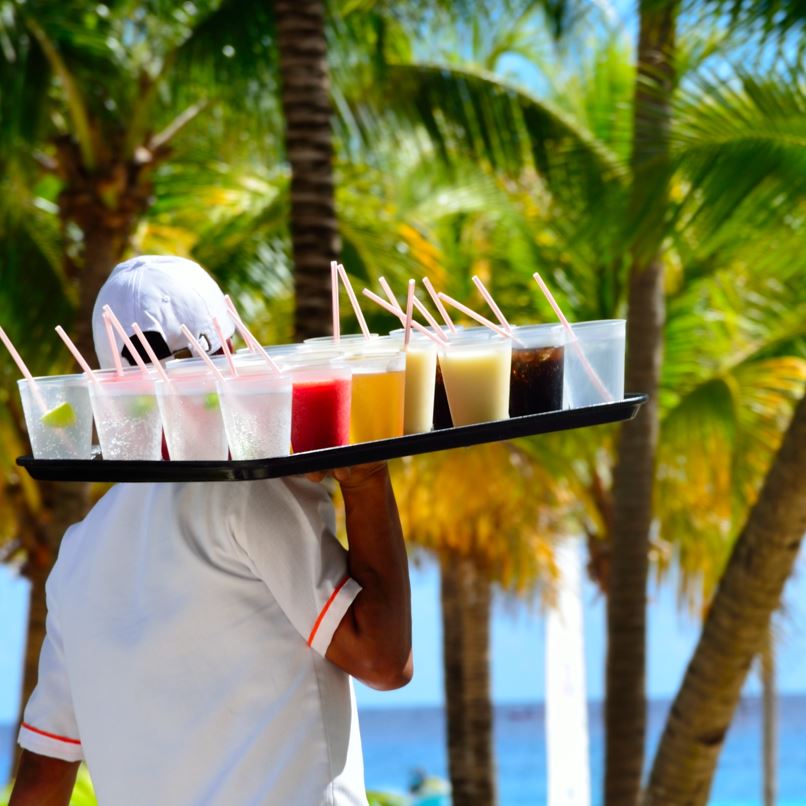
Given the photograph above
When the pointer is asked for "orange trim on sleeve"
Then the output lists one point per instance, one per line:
(50, 735)
(326, 608)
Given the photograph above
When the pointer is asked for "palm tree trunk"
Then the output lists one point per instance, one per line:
(625, 707)
(770, 743)
(466, 601)
(735, 629)
(307, 110)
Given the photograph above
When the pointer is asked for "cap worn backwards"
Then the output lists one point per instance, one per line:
(161, 293)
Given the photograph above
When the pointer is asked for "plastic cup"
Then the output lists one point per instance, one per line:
(603, 343)
(421, 372)
(378, 396)
(127, 416)
(246, 364)
(476, 373)
(349, 344)
(58, 416)
(256, 410)
(191, 417)
(536, 384)
(321, 398)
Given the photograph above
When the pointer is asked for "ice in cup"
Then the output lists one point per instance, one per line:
(378, 394)
(538, 357)
(476, 372)
(190, 409)
(127, 416)
(599, 378)
(322, 393)
(256, 410)
(58, 416)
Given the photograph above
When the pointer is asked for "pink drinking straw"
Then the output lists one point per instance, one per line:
(23, 368)
(114, 347)
(334, 297)
(68, 342)
(435, 337)
(479, 318)
(247, 335)
(200, 350)
(443, 311)
(249, 339)
(409, 309)
(108, 312)
(225, 347)
(488, 298)
(592, 374)
(353, 301)
(150, 352)
(387, 289)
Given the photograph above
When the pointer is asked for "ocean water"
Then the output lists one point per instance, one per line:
(399, 741)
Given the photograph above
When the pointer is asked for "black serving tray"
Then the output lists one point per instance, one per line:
(328, 458)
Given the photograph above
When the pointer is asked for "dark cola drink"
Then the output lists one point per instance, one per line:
(537, 380)
(442, 411)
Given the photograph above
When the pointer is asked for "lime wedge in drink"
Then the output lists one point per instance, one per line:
(211, 401)
(142, 405)
(61, 416)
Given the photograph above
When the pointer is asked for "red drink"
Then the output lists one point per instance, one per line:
(320, 412)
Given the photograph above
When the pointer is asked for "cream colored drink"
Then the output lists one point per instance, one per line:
(476, 374)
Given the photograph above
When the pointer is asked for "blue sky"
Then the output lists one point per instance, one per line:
(517, 645)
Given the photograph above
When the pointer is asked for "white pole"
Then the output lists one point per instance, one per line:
(566, 694)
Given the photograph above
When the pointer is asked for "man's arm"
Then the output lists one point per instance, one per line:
(373, 640)
(43, 781)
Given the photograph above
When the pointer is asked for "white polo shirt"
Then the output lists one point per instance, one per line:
(184, 658)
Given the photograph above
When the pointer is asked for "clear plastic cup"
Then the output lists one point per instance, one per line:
(191, 417)
(322, 394)
(246, 363)
(257, 414)
(127, 416)
(421, 373)
(603, 344)
(347, 344)
(378, 394)
(538, 357)
(58, 416)
(476, 373)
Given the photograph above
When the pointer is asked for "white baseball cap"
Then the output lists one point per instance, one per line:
(161, 293)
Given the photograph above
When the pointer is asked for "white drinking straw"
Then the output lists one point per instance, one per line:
(592, 374)
(409, 309)
(435, 337)
(334, 297)
(353, 301)
(488, 298)
(247, 335)
(114, 346)
(135, 354)
(225, 347)
(443, 311)
(479, 318)
(200, 350)
(150, 352)
(74, 350)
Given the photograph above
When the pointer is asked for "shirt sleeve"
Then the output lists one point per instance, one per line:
(49, 725)
(289, 534)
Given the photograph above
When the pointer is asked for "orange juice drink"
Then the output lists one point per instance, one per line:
(379, 388)
(476, 371)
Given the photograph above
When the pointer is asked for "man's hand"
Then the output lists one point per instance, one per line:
(373, 640)
(43, 781)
